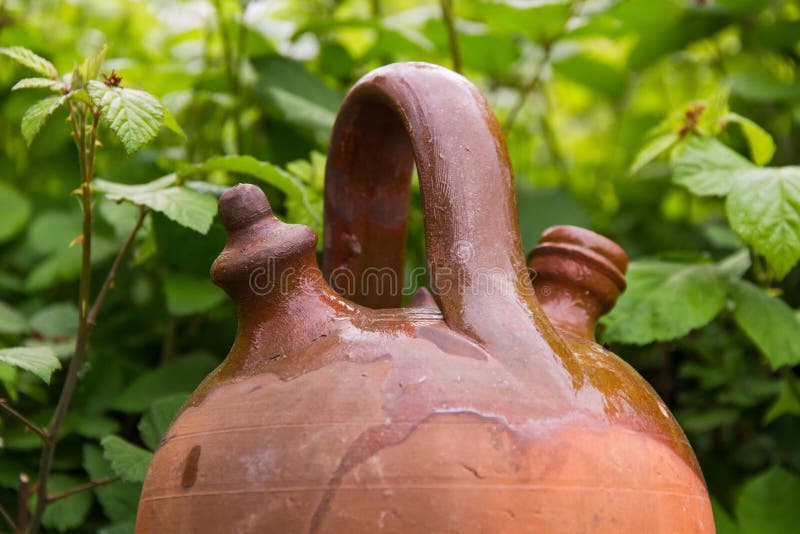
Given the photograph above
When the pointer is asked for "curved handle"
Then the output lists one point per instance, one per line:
(416, 111)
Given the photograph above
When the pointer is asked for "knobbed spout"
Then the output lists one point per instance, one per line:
(269, 269)
(578, 276)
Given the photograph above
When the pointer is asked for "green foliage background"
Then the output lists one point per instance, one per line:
(669, 125)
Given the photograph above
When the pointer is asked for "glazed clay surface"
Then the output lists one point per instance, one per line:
(331, 416)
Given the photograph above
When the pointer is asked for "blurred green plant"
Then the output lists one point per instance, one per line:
(669, 125)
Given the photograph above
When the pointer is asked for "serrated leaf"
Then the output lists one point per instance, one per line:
(652, 150)
(118, 499)
(294, 189)
(768, 503)
(183, 205)
(56, 320)
(763, 207)
(37, 114)
(705, 166)
(39, 83)
(11, 321)
(665, 300)
(172, 124)
(768, 321)
(15, 210)
(156, 420)
(180, 375)
(762, 146)
(188, 295)
(786, 403)
(128, 461)
(90, 68)
(70, 512)
(28, 58)
(135, 116)
(40, 361)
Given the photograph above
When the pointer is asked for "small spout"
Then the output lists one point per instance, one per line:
(578, 276)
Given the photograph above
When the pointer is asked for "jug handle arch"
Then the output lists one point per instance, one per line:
(408, 113)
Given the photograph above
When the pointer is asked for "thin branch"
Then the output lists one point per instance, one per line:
(8, 518)
(527, 90)
(112, 273)
(22, 506)
(24, 420)
(452, 33)
(83, 487)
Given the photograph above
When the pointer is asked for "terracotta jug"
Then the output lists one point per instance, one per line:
(346, 413)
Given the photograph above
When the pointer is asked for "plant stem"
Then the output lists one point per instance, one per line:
(22, 505)
(526, 91)
(8, 518)
(87, 317)
(24, 420)
(112, 273)
(452, 33)
(83, 487)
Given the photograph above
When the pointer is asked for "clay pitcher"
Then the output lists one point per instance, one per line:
(344, 413)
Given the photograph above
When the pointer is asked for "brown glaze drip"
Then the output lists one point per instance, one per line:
(578, 276)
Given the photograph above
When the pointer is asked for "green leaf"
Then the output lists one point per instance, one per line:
(722, 520)
(184, 206)
(297, 97)
(26, 57)
(705, 166)
(118, 499)
(769, 322)
(40, 361)
(15, 210)
(159, 416)
(135, 116)
(786, 403)
(11, 321)
(652, 150)
(762, 146)
(763, 207)
(768, 503)
(762, 86)
(70, 512)
(539, 20)
(189, 295)
(37, 114)
(56, 320)
(39, 83)
(180, 375)
(294, 189)
(127, 460)
(665, 300)
(90, 68)
(172, 124)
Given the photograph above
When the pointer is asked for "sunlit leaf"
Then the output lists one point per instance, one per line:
(183, 205)
(763, 207)
(705, 166)
(38, 83)
(26, 57)
(15, 210)
(37, 114)
(654, 148)
(762, 146)
(40, 361)
(135, 116)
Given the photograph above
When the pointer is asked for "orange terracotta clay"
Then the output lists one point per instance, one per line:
(345, 413)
